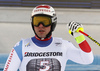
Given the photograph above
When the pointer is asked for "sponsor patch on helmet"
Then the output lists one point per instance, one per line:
(43, 6)
(42, 10)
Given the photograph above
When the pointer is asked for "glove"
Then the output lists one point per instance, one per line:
(74, 28)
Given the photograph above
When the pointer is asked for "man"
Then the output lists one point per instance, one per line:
(44, 52)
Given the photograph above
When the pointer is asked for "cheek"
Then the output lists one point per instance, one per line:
(36, 29)
(48, 28)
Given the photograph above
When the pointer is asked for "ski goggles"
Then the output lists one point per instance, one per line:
(44, 20)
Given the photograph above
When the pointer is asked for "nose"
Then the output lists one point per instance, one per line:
(41, 25)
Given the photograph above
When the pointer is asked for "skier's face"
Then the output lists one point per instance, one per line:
(42, 31)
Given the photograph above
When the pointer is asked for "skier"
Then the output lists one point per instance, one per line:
(44, 52)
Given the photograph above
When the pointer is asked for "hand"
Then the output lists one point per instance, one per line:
(74, 28)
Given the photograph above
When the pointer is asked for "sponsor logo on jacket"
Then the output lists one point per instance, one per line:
(42, 54)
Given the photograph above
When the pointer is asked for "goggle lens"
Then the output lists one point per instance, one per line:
(37, 20)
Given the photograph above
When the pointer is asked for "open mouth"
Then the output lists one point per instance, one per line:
(41, 31)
